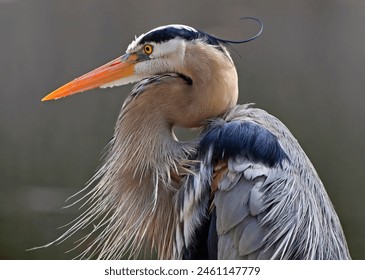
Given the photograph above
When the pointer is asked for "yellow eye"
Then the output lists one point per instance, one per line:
(148, 49)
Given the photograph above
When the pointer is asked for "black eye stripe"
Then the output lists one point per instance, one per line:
(169, 33)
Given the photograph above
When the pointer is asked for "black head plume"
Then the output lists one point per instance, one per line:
(225, 41)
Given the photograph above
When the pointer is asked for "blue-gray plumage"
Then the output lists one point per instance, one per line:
(244, 189)
(269, 203)
(242, 138)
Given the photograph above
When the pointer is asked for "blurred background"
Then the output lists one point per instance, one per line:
(308, 69)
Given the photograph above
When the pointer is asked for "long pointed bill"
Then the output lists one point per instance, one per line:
(119, 68)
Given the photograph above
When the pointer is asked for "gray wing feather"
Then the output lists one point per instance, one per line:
(227, 205)
(227, 249)
(251, 239)
(256, 203)
(239, 208)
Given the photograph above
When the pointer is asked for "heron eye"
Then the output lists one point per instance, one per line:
(148, 49)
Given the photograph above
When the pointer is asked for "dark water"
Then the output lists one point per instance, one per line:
(307, 69)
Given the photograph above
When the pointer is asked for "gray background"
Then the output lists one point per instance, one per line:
(307, 69)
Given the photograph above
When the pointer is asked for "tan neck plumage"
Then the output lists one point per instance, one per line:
(145, 155)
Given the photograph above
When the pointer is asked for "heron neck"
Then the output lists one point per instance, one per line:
(145, 136)
(144, 162)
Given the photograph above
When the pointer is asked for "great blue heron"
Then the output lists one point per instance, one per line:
(244, 189)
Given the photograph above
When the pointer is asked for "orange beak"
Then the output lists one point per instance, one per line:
(119, 68)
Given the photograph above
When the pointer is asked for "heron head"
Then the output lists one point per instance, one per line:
(161, 50)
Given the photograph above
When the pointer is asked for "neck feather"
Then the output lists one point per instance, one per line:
(137, 184)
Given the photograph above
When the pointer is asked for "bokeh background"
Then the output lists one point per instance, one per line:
(308, 69)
